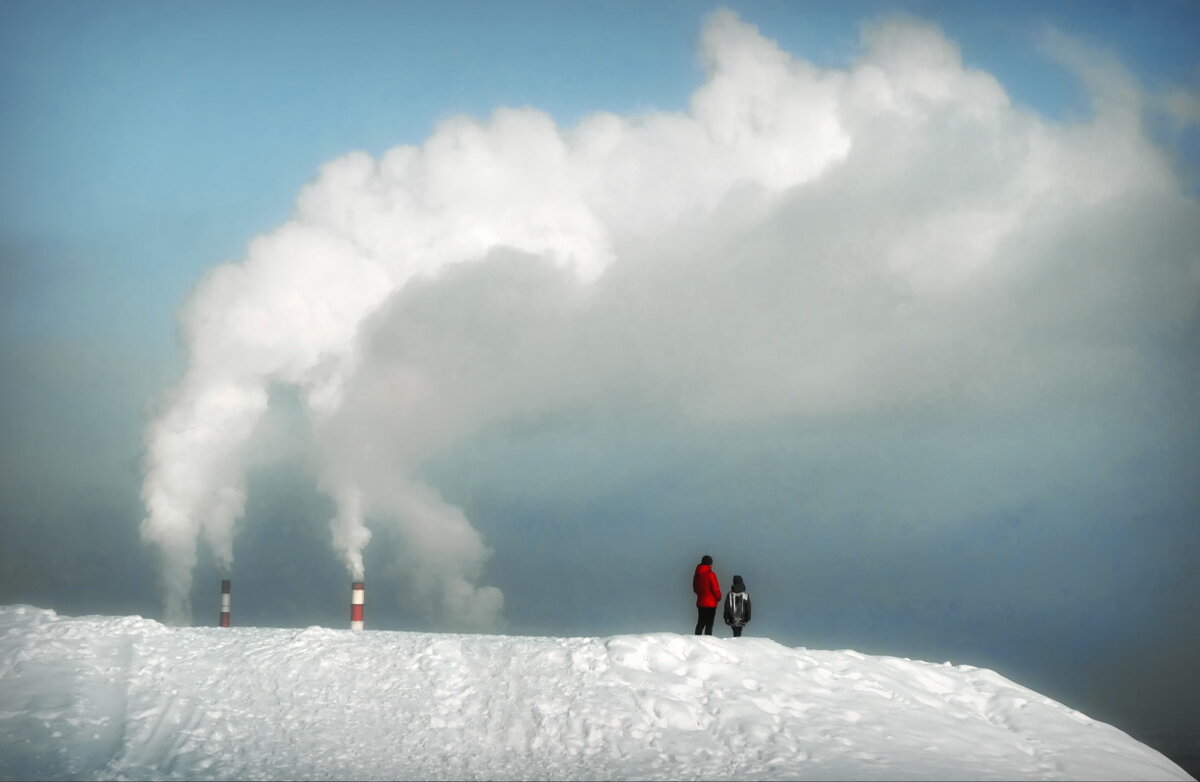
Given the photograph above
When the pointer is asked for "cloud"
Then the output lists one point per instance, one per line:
(802, 244)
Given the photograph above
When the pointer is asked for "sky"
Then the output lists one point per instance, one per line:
(517, 309)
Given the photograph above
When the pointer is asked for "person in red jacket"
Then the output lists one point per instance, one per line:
(708, 595)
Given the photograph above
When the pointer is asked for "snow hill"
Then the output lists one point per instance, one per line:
(128, 698)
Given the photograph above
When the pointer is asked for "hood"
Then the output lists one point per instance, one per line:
(703, 569)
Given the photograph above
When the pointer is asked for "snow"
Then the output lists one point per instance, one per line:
(128, 698)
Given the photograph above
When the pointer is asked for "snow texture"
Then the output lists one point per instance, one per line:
(129, 698)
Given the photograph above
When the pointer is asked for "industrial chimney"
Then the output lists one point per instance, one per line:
(356, 605)
(224, 602)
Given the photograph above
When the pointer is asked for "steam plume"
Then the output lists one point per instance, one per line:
(802, 241)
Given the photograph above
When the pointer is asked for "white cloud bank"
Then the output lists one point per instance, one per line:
(802, 241)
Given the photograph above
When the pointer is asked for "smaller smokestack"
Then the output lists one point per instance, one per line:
(224, 602)
(356, 605)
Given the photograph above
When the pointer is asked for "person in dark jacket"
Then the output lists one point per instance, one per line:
(737, 606)
(708, 594)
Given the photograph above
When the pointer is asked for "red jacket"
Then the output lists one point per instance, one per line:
(706, 586)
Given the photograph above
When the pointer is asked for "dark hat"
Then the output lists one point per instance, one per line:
(706, 560)
(737, 580)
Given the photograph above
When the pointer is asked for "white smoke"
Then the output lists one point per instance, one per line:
(801, 241)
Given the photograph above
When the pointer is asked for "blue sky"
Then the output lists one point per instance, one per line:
(145, 144)
(131, 118)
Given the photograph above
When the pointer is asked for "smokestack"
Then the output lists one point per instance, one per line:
(356, 605)
(224, 602)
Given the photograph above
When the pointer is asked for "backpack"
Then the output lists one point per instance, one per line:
(737, 607)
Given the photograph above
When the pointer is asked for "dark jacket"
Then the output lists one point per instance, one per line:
(737, 604)
(706, 586)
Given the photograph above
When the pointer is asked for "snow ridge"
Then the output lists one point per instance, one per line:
(129, 698)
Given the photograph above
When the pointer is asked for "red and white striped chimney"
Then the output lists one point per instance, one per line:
(356, 605)
(224, 602)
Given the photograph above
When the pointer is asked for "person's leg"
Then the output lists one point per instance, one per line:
(737, 632)
(699, 620)
(709, 616)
